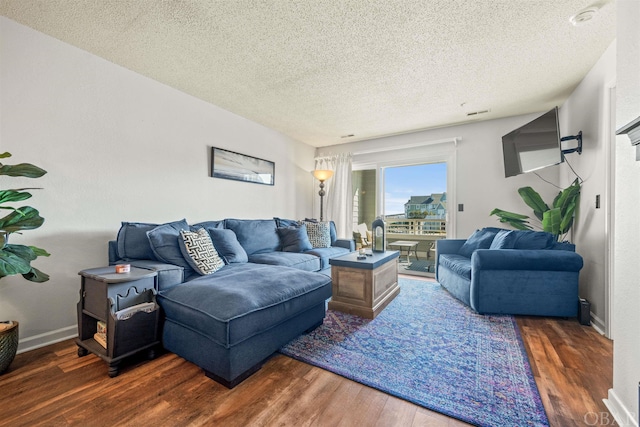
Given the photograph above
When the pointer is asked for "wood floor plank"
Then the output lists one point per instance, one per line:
(52, 386)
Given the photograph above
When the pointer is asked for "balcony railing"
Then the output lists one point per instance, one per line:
(417, 227)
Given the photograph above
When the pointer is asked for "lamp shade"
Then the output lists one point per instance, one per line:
(322, 175)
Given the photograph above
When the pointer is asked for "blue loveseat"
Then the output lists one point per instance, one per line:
(511, 272)
(273, 287)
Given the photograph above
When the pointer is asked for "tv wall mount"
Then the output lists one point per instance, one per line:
(577, 149)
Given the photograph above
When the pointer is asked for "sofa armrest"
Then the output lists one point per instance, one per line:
(169, 275)
(345, 243)
(525, 259)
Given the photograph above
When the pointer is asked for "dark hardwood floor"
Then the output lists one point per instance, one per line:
(52, 386)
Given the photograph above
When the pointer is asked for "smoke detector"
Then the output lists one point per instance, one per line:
(585, 15)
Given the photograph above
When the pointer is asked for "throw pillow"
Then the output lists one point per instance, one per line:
(198, 251)
(533, 240)
(505, 239)
(132, 241)
(227, 245)
(294, 239)
(480, 239)
(286, 222)
(164, 243)
(319, 234)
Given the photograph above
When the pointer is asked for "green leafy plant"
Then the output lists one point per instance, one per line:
(556, 219)
(16, 259)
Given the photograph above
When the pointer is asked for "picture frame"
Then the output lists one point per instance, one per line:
(227, 164)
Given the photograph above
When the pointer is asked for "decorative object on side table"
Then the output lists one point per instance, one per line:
(16, 259)
(379, 235)
(322, 175)
(117, 314)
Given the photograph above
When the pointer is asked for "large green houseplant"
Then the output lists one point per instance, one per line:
(556, 219)
(16, 259)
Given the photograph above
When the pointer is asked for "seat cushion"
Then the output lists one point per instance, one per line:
(299, 261)
(459, 264)
(326, 253)
(243, 300)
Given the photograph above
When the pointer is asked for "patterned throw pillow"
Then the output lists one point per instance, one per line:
(319, 234)
(199, 252)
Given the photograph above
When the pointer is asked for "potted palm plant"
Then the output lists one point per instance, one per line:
(16, 259)
(556, 219)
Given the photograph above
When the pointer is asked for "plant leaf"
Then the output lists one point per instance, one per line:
(15, 260)
(36, 275)
(22, 169)
(7, 196)
(5, 155)
(515, 220)
(39, 251)
(551, 221)
(26, 218)
(533, 200)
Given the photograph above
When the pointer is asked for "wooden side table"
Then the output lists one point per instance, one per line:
(364, 287)
(103, 294)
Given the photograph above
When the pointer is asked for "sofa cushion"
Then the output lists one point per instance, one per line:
(298, 261)
(132, 241)
(197, 249)
(294, 238)
(207, 225)
(243, 300)
(319, 234)
(326, 253)
(227, 245)
(459, 264)
(533, 240)
(164, 240)
(480, 239)
(255, 235)
(504, 239)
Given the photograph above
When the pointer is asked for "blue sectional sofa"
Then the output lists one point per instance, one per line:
(273, 286)
(511, 272)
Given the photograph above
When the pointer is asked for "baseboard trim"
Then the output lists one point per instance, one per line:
(620, 413)
(598, 324)
(48, 338)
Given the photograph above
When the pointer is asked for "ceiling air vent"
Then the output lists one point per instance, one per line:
(477, 113)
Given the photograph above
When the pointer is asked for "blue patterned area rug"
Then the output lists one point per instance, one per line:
(430, 349)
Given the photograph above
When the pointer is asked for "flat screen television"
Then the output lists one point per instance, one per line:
(533, 146)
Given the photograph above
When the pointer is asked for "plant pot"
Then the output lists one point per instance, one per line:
(8, 343)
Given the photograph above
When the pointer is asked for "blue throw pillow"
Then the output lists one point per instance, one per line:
(480, 239)
(505, 239)
(533, 240)
(164, 240)
(286, 222)
(294, 239)
(227, 245)
(132, 241)
(207, 225)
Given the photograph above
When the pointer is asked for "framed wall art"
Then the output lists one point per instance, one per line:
(240, 167)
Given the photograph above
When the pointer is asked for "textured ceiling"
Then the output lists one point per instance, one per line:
(318, 70)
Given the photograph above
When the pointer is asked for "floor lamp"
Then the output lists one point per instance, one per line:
(322, 175)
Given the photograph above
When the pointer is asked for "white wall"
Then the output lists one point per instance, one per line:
(118, 147)
(623, 397)
(588, 110)
(479, 180)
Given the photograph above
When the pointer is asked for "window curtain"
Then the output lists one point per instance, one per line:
(338, 200)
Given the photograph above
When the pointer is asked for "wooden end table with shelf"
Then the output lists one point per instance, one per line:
(364, 287)
(103, 293)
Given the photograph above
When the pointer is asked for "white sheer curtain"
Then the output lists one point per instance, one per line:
(338, 201)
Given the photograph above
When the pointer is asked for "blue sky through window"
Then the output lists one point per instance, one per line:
(405, 181)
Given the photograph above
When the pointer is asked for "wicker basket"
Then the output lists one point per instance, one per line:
(8, 346)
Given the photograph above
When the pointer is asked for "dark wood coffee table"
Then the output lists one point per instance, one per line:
(364, 287)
